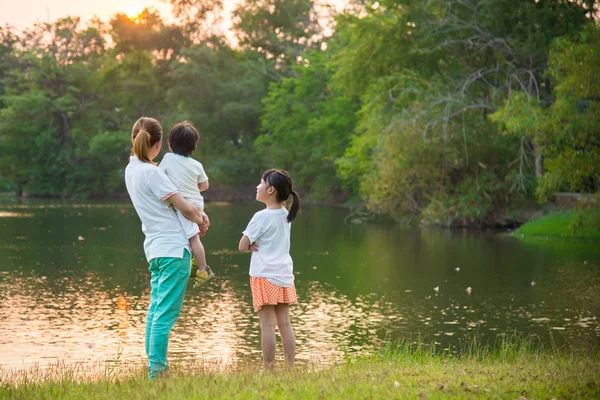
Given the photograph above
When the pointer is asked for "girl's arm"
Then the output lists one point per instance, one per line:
(245, 246)
(190, 211)
(202, 186)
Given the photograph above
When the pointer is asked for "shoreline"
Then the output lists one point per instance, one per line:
(511, 221)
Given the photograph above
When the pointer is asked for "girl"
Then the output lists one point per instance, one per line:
(166, 245)
(271, 268)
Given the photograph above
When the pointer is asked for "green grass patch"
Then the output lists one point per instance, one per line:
(559, 225)
(514, 368)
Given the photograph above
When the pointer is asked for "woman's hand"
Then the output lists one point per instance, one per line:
(204, 226)
(189, 210)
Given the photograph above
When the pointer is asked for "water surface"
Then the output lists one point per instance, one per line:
(74, 286)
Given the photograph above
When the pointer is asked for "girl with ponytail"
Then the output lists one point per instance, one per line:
(267, 237)
(166, 245)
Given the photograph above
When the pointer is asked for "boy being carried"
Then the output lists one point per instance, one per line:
(189, 178)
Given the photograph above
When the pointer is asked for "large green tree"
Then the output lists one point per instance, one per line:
(572, 148)
(306, 126)
(428, 76)
(220, 90)
(48, 115)
(280, 30)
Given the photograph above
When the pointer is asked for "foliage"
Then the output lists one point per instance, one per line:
(572, 152)
(281, 30)
(42, 126)
(425, 142)
(305, 127)
(435, 169)
(451, 111)
(220, 92)
(199, 19)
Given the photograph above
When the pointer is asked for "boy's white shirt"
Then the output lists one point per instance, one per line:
(271, 231)
(185, 173)
(149, 188)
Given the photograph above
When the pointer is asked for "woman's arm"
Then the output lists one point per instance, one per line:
(190, 211)
(202, 186)
(245, 246)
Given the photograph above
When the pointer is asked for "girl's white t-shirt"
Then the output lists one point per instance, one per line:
(271, 232)
(149, 189)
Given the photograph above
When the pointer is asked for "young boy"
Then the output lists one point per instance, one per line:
(189, 178)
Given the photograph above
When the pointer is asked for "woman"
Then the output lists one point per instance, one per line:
(166, 245)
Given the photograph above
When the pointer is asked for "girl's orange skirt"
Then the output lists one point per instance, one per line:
(268, 293)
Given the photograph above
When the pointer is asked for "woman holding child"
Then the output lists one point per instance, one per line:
(166, 245)
(169, 238)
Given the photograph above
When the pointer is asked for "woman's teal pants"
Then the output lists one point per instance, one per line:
(168, 282)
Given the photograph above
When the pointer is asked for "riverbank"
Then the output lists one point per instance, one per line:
(242, 194)
(560, 225)
(515, 369)
(529, 219)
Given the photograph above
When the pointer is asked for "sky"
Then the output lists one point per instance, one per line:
(22, 14)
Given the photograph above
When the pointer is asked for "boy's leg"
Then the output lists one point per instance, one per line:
(288, 339)
(203, 273)
(198, 251)
(266, 315)
(173, 274)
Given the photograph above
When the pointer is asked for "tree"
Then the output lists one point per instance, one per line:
(8, 59)
(572, 152)
(42, 125)
(424, 141)
(306, 127)
(140, 70)
(282, 30)
(199, 19)
(220, 91)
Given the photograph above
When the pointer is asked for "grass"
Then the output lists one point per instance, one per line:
(511, 369)
(558, 225)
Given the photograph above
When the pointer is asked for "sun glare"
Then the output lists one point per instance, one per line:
(133, 10)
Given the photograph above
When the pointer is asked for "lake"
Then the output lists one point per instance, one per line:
(74, 286)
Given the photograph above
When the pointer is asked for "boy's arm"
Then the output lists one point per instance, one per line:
(190, 211)
(245, 246)
(203, 186)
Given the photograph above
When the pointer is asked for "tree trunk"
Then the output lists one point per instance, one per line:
(539, 164)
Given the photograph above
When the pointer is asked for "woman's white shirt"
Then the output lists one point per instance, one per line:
(149, 188)
(271, 231)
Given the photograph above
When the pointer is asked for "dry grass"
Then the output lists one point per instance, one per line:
(511, 369)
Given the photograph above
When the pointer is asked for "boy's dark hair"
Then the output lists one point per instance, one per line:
(183, 138)
(282, 182)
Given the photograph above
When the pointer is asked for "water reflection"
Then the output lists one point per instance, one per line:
(358, 286)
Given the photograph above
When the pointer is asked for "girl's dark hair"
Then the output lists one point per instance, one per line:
(183, 138)
(146, 133)
(282, 182)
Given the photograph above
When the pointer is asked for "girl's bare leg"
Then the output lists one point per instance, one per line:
(266, 315)
(198, 251)
(288, 339)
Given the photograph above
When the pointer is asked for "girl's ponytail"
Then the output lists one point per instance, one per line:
(146, 133)
(284, 186)
(294, 207)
